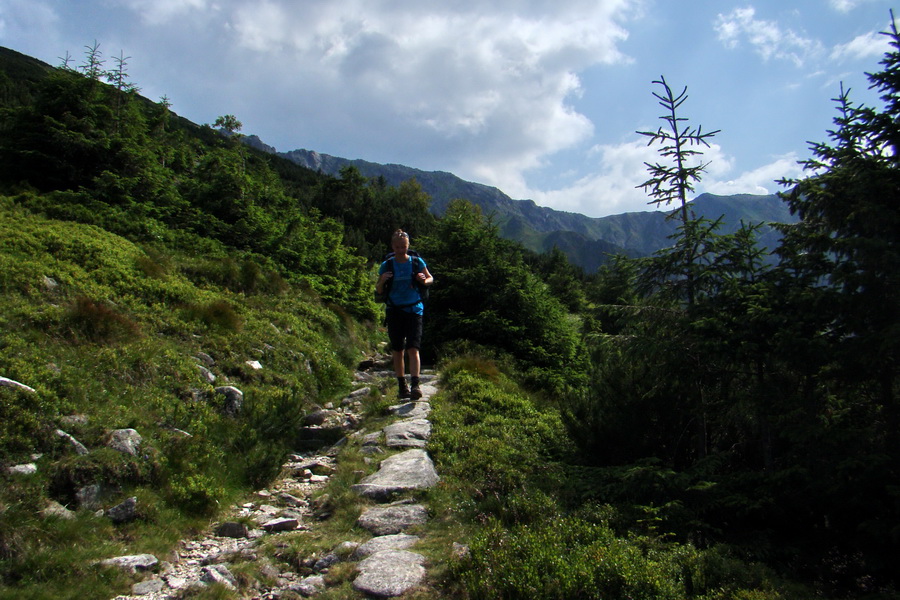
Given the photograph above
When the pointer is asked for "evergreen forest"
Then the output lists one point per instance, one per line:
(718, 421)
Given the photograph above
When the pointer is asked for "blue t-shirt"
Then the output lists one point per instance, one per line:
(403, 291)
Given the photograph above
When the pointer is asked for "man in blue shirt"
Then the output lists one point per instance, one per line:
(405, 274)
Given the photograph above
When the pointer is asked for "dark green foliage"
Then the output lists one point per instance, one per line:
(740, 401)
(26, 420)
(370, 210)
(485, 294)
(508, 460)
(100, 154)
(490, 434)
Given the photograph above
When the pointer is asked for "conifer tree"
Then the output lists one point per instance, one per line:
(672, 179)
(845, 250)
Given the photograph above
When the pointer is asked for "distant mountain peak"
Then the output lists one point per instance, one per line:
(587, 241)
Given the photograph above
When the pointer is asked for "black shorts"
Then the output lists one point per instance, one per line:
(404, 329)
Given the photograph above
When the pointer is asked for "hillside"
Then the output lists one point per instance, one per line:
(587, 241)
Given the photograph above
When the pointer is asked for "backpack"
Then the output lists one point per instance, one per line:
(385, 295)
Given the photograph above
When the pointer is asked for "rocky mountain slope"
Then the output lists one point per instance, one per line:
(587, 241)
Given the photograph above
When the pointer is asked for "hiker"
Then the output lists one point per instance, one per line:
(404, 274)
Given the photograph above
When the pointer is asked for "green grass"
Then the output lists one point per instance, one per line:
(502, 456)
(116, 337)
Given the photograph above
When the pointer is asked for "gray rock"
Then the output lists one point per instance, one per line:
(363, 391)
(57, 510)
(124, 512)
(390, 520)
(390, 573)
(206, 359)
(234, 400)
(290, 500)
(410, 433)
(411, 410)
(145, 588)
(218, 574)
(309, 586)
(89, 497)
(127, 441)
(346, 549)
(5, 382)
(232, 529)
(77, 446)
(404, 472)
(133, 563)
(206, 375)
(24, 469)
(320, 417)
(372, 439)
(276, 525)
(327, 561)
(398, 541)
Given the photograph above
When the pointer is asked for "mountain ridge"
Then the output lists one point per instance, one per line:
(587, 241)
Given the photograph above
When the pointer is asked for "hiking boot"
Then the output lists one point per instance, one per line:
(415, 393)
(402, 389)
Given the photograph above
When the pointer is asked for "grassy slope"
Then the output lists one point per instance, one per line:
(116, 340)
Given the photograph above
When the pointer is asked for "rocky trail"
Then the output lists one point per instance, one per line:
(386, 565)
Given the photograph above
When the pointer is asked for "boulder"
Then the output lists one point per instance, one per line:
(409, 433)
(133, 563)
(404, 472)
(393, 519)
(24, 469)
(74, 444)
(397, 541)
(234, 400)
(127, 441)
(232, 529)
(6, 382)
(124, 512)
(390, 573)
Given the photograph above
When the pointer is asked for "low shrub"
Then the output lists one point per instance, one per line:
(99, 322)
(25, 422)
(217, 314)
(567, 557)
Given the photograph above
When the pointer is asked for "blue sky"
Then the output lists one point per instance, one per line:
(540, 98)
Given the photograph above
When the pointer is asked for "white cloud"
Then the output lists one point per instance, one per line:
(845, 6)
(20, 17)
(767, 38)
(490, 84)
(761, 180)
(156, 12)
(862, 46)
(621, 168)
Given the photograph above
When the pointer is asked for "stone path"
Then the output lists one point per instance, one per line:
(387, 564)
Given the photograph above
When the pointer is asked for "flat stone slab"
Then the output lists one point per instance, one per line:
(404, 472)
(411, 410)
(393, 519)
(428, 389)
(283, 524)
(398, 541)
(409, 433)
(390, 573)
(133, 563)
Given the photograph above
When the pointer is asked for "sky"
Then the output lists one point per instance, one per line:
(539, 98)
